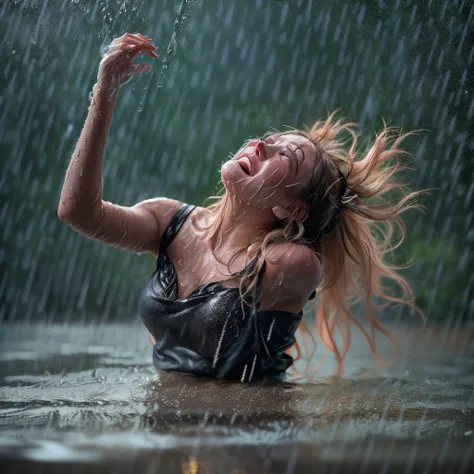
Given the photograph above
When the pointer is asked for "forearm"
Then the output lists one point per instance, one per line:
(81, 194)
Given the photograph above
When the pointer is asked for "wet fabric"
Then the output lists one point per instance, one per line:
(211, 333)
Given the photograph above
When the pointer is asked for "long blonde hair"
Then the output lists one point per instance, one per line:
(351, 233)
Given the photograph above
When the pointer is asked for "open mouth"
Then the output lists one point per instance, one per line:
(245, 164)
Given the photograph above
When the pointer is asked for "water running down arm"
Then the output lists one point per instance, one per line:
(135, 228)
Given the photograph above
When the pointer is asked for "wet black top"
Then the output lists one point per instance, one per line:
(209, 333)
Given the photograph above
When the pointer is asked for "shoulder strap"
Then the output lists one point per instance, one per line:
(175, 225)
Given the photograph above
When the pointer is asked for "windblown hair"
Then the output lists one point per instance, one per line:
(352, 236)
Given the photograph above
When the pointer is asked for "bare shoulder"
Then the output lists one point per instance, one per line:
(137, 228)
(161, 208)
(290, 254)
(292, 273)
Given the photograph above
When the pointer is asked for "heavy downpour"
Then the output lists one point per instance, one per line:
(236, 236)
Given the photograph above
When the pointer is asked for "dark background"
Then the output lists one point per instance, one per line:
(241, 67)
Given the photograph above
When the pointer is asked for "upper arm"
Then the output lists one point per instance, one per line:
(292, 273)
(137, 228)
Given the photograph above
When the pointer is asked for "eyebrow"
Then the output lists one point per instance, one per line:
(267, 136)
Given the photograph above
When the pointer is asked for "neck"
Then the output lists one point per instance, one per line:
(238, 225)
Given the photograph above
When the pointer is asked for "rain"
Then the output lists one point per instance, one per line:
(78, 389)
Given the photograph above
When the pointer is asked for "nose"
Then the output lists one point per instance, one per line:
(260, 150)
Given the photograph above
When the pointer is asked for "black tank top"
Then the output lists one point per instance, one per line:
(211, 333)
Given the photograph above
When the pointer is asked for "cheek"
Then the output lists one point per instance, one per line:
(274, 175)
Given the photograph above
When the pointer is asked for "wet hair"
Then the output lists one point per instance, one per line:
(354, 222)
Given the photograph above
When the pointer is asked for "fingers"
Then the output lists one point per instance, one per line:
(146, 38)
(128, 44)
(141, 68)
(129, 53)
(117, 65)
(134, 50)
(137, 35)
(134, 45)
(138, 50)
(130, 38)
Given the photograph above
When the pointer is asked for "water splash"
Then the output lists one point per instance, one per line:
(170, 52)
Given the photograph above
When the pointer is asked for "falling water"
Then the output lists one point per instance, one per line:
(170, 51)
(77, 385)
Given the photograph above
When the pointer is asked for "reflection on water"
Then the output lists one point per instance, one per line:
(71, 395)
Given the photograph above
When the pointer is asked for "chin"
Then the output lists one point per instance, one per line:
(232, 174)
(247, 189)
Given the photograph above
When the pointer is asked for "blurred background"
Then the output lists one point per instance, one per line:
(232, 70)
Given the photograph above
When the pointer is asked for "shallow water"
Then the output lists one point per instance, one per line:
(87, 397)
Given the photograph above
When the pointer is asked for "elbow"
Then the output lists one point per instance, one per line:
(64, 215)
(68, 214)
(75, 216)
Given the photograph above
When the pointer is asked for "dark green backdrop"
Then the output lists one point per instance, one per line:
(241, 67)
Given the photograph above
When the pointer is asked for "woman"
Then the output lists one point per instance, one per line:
(298, 213)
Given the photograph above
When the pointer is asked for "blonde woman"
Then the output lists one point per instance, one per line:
(298, 213)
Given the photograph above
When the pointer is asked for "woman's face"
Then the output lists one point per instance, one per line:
(270, 172)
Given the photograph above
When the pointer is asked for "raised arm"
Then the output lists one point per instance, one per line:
(136, 228)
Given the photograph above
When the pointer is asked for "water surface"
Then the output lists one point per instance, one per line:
(87, 397)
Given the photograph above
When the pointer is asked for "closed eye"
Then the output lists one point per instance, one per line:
(291, 159)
